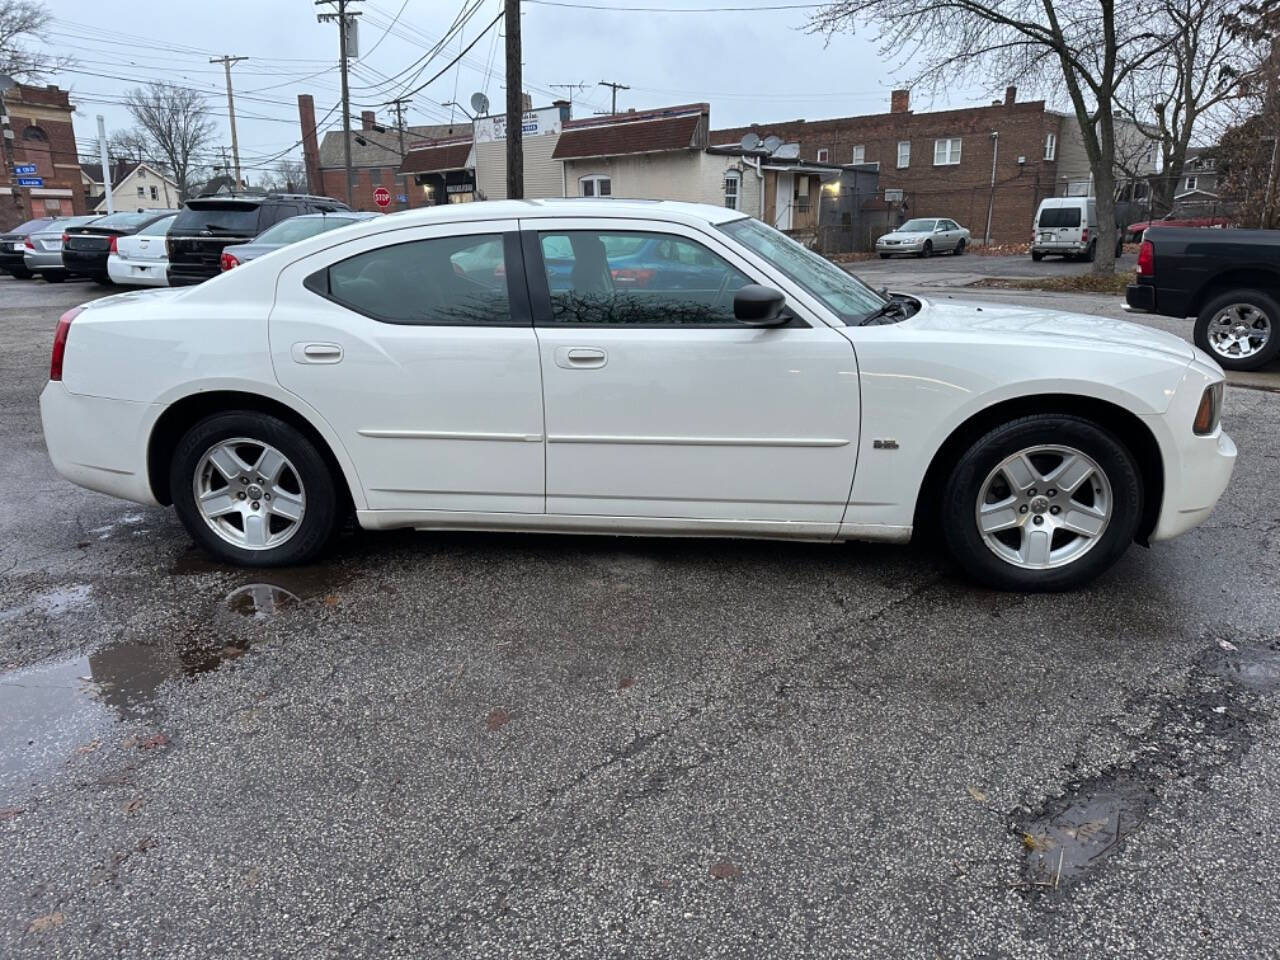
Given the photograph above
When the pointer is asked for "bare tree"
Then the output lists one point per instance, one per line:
(288, 176)
(1249, 148)
(1089, 48)
(175, 124)
(1202, 67)
(22, 21)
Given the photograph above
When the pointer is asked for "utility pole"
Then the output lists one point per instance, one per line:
(7, 83)
(991, 202)
(515, 105)
(226, 62)
(570, 88)
(345, 20)
(614, 87)
(107, 172)
(399, 106)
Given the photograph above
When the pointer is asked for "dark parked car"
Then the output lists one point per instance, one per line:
(86, 249)
(12, 245)
(1229, 280)
(206, 225)
(289, 231)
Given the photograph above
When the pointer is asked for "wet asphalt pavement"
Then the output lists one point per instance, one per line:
(502, 746)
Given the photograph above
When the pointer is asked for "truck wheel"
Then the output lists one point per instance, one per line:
(1037, 256)
(254, 491)
(1238, 329)
(1092, 253)
(1043, 502)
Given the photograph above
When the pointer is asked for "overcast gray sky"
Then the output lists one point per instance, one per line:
(752, 65)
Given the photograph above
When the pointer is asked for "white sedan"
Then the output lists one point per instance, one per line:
(142, 259)
(621, 367)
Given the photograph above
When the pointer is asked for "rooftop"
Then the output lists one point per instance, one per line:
(648, 131)
(435, 157)
(381, 148)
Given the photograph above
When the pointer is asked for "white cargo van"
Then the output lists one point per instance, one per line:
(1068, 226)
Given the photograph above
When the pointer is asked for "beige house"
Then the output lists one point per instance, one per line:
(540, 133)
(134, 186)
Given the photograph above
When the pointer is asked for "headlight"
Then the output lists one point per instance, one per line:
(1210, 410)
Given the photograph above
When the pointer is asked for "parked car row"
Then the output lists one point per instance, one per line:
(157, 248)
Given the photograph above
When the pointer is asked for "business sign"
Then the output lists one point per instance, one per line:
(534, 123)
(22, 168)
(892, 195)
(31, 181)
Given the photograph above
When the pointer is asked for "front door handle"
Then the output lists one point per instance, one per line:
(581, 358)
(316, 353)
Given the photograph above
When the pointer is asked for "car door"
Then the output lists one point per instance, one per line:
(660, 405)
(424, 362)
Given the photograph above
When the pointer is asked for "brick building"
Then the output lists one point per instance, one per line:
(941, 163)
(43, 137)
(375, 158)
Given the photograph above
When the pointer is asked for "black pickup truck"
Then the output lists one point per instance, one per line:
(1229, 280)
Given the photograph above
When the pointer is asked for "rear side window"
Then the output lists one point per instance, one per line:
(1060, 217)
(447, 281)
(238, 218)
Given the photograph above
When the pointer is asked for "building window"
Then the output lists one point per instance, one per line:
(155, 194)
(823, 153)
(946, 152)
(904, 154)
(732, 188)
(142, 193)
(1050, 146)
(596, 185)
(36, 134)
(859, 154)
(1191, 182)
(142, 174)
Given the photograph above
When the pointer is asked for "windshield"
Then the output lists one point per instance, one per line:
(299, 228)
(31, 226)
(846, 296)
(222, 218)
(917, 226)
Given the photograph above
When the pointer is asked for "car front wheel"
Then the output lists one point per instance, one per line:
(927, 249)
(1044, 502)
(254, 491)
(1238, 329)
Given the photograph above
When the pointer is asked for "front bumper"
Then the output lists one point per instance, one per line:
(898, 247)
(98, 443)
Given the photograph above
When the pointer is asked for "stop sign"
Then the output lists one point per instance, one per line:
(382, 196)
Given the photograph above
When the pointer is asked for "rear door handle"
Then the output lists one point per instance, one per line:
(581, 358)
(316, 353)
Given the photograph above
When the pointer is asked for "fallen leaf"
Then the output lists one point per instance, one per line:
(153, 742)
(48, 922)
(626, 682)
(132, 807)
(1037, 842)
(11, 813)
(498, 718)
(977, 794)
(1227, 645)
(89, 747)
(724, 870)
(331, 600)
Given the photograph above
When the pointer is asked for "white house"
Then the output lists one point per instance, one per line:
(135, 186)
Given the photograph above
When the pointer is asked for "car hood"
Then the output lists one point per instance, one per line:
(1003, 323)
(906, 236)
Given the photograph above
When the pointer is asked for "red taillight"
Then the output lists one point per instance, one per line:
(60, 342)
(111, 247)
(28, 244)
(64, 239)
(229, 262)
(1147, 259)
(632, 277)
(1084, 235)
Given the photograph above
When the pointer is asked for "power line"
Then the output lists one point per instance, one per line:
(596, 6)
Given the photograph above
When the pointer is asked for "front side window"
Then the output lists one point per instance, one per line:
(595, 186)
(447, 281)
(946, 152)
(632, 278)
(843, 294)
(904, 154)
(732, 183)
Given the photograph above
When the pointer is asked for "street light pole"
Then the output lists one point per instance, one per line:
(108, 175)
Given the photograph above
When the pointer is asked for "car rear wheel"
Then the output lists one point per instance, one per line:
(1238, 329)
(1037, 256)
(254, 491)
(1045, 502)
(53, 277)
(21, 273)
(959, 251)
(1092, 253)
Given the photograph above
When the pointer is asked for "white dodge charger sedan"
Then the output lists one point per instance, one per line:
(628, 367)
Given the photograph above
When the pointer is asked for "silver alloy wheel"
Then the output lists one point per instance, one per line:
(1044, 507)
(1238, 330)
(249, 493)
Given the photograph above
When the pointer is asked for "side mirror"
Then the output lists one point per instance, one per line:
(759, 306)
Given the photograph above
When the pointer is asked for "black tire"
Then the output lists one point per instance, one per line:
(1119, 249)
(1264, 303)
(884, 256)
(963, 489)
(1092, 253)
(1037, 256)
(927, 251)
(52, 277)
(959, 250)
(21, 273)
(321, 519)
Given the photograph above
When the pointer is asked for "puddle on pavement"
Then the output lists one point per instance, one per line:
(52, 603)
(1254, 666)
(1084, 829)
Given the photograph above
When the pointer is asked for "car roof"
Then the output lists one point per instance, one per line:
(688, 213)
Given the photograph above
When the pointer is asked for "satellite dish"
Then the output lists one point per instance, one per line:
(772, 143)
(479, 103)
(750, 141)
